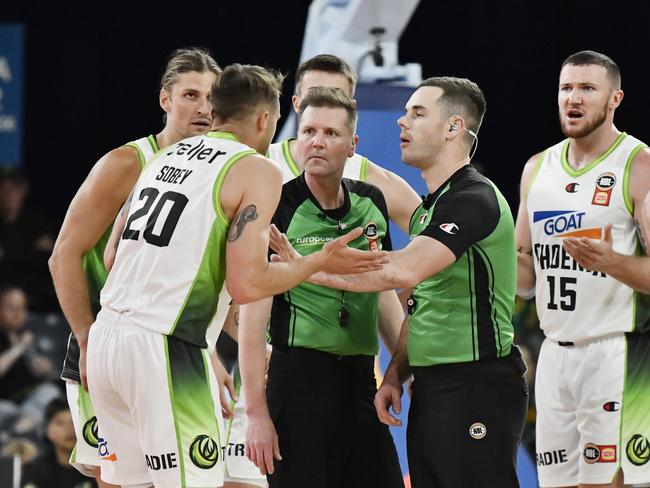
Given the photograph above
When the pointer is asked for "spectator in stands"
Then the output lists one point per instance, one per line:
(52, 468)
(24, 391)
(26, 242)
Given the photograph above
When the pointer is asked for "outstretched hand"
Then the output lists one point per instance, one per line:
(340, 259)
(593, 254)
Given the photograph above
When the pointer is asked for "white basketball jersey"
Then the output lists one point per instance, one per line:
(147, 148)
(171, 263)
(573, 303)
(355, 168)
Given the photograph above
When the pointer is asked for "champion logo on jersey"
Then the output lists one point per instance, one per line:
(565, 223)
(449, 228)
(572, 187)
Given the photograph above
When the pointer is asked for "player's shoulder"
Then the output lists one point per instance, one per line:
(121, 158)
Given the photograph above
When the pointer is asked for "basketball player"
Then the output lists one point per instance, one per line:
(579, 234)
(77, 265)
(199, 217)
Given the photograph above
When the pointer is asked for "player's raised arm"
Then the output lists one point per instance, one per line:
(253, 185)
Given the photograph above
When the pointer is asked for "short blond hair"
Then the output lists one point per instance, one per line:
(241, 88)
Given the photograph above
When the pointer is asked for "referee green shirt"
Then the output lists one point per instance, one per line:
(318, 317)
(464, 312)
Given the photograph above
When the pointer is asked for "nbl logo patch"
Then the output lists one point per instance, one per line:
(204, 452)
(603, 192)
(371, 234)
(90, 432)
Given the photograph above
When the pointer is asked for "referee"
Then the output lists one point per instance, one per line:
(469, 395)
(321, 382)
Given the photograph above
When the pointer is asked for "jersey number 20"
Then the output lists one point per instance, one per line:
(164, 234)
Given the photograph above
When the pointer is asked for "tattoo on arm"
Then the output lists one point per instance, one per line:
(249, 214)
(520, 250)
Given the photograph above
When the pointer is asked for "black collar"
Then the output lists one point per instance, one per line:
(333, 213)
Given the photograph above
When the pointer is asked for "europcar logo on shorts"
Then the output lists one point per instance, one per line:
(638, 450)
(204, 452)
(565, 223)
(91, 433)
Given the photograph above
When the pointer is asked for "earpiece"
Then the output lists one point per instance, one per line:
(453, 127)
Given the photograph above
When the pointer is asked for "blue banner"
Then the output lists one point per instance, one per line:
(11, 93)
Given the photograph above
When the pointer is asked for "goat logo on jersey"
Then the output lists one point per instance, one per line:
(565, 223)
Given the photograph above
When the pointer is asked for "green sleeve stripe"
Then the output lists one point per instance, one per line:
(627, 196)
(572, 172)
(181, 457)
(143, 161)
(532, 180)
(216, 192)
(288, 158)
(364, 169)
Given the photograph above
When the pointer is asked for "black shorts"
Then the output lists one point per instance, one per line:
(465, 422)
(328, 430)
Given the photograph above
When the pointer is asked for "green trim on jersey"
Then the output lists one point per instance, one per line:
(288, 158)
(635, 415)
(175, 414)
(153, 143)
(221, 178)
(188, 374)
(463, 313)
(572, 172)
(535, 173)
(143, 162)
(627, 196)
(201, 302)
(363, 173)
(222, 135)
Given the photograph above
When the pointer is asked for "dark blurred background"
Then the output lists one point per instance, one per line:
(92, 72)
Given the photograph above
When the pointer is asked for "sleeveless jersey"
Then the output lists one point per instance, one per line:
(318, 317)
(171, 262)
(573, 303)
(356, 167)
(93, 264)
(464, 312)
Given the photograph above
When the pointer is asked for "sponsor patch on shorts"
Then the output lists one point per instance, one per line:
(595, 453)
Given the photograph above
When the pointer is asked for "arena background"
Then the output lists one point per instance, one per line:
(91, 74)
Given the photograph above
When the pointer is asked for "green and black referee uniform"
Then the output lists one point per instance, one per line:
(469, 396)
(321, 383)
